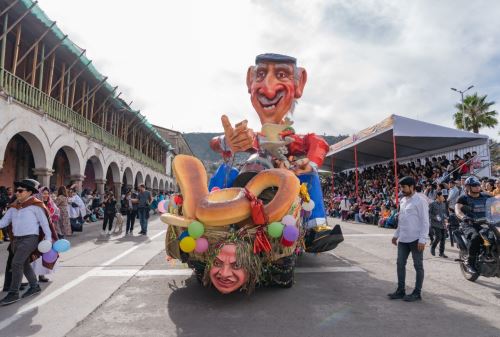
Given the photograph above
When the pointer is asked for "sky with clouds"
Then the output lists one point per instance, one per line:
(183, 63)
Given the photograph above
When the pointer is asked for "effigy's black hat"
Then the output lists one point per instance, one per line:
(277, 58)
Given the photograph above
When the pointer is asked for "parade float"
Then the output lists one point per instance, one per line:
(246, 227)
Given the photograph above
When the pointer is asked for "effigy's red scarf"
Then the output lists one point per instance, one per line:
(35, 202)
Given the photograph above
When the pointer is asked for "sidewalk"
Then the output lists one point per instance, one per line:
(74, 292)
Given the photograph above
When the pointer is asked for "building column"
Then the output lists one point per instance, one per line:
(77, 180)
(100, 183)
(43, 175)
(118, 191)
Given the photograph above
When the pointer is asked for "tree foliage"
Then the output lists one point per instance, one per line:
(478, 113)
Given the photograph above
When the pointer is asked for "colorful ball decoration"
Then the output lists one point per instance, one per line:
(187, 244)
(196, 229)
(308, 206)
(161, 206)
(290, 233)
(50, 256)
(183, 235)
(61, 246)
(275, 229)
(44, 246)
(286, 243)
(288, 220)
(201, 245)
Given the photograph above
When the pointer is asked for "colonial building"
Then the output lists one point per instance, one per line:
(180, 146)
(61, 121)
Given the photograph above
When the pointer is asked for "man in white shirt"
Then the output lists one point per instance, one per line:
(27, 215)
(411, 236)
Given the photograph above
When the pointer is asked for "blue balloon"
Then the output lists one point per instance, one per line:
(183, 235)
(61, 246)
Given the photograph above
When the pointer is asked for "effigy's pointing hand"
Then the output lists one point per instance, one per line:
(301, 166)
(240, 138)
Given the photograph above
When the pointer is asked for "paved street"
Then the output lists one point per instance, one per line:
(125, 287)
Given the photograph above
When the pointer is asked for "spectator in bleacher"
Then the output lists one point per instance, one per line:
(490, 187)
(496, 191)
(345, 206)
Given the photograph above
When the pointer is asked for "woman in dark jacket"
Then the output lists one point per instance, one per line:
(130, 209)
(109, 205)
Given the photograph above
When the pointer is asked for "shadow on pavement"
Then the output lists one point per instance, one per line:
(321, 304)
(351, 304)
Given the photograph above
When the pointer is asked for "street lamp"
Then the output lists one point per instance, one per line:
(462, 94)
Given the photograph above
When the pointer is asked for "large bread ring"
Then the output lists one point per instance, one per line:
(223, 207)
(228, 206)
(192, 179)
(288, 189)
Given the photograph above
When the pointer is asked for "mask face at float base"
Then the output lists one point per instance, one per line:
(225, 274)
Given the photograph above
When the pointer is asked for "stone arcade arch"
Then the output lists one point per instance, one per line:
(155, 184)
(66, 168)
(138, 179)
(94, 175)
(128, 178)
(20, 158)
(113, 179)
(147, 182)
(162, 186)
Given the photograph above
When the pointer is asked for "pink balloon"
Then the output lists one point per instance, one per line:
(161, 206)
(288, 220)
(201, 245)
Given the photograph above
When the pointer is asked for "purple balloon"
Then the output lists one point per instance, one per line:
(50, 256)
(290, 233)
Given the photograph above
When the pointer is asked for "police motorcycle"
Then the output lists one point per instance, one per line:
(487, 263)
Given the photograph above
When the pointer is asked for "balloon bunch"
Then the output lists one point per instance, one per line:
(191, 240)
(161, 206)
(286, 230)
(50, 251)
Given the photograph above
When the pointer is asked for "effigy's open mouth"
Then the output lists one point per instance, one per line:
(269, 104)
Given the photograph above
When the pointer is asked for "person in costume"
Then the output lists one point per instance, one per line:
(275, 84)
(27, 215)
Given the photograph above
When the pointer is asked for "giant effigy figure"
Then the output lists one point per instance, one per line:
(246, 227)
(275, 84)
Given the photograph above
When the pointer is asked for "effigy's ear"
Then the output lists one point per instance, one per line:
(250, 77)
(301, 83)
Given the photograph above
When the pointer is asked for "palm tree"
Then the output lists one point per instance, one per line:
(477, 113)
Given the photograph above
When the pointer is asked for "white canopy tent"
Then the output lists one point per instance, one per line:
(396, 138)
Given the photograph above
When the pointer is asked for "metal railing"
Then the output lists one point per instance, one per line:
(27, 94)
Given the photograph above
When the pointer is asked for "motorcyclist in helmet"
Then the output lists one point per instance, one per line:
(472, 206)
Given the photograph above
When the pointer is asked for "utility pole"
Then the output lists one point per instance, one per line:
(463, 111)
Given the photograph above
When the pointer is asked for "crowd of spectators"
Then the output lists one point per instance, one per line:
(375, 202)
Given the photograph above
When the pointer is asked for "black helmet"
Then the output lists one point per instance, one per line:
(408, 181)
(472, 181)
